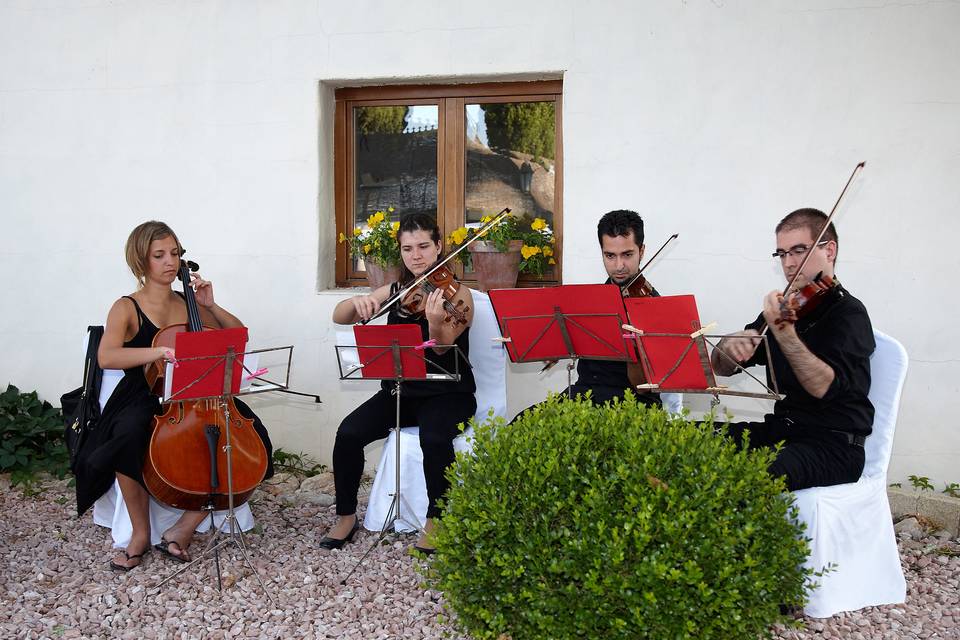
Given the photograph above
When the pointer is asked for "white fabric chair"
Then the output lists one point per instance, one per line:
(850, 525)
(489, 371)
(110, 510)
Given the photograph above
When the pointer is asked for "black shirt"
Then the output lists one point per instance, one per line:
(610, 374)
(839, 333)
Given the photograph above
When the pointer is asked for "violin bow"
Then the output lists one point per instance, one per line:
(426, 274)
(823, 230)
(647, 263)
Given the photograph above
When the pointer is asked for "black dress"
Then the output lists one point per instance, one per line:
(122, 436)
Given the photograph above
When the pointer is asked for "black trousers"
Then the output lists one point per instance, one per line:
(437, 416)
(809, 457)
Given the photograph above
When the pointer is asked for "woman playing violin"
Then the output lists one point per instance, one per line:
(119, 444)
(437, 407)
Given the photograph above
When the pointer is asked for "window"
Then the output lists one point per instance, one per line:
(457, 152)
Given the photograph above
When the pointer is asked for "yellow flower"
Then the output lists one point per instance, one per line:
(486, 219)
(547, 251)
(551, 261)
(366, 248)
(393, 233)
(375, 219)
(553, 240)
(395, 225)
(459, 235)
(343, 238)
(528, 252)
(357, 231)
(538, 223)
(390, 209)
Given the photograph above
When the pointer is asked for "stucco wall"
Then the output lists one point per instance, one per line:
(712, 119)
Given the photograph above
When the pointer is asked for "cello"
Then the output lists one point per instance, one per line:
(187, 452)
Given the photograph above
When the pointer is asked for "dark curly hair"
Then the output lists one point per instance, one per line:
(620, 223)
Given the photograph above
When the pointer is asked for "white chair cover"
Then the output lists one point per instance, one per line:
(672, 402)
(850, 525)
(110, 510)
(489, 371)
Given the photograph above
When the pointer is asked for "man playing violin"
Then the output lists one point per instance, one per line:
(821, 360)
(437, 407)
(620, 234)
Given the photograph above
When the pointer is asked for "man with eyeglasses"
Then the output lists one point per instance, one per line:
(821, 363)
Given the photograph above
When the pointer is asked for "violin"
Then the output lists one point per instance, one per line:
(187, 451)
(455, 297)
(639, 287)
(801, 302)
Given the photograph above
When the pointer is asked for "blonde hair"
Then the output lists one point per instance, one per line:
(138, 246)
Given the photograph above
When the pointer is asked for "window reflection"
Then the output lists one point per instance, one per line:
(510, 151)
(396, 161)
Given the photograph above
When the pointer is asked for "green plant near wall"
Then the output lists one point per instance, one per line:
(615, 522)
(31, 437)
(299, 464)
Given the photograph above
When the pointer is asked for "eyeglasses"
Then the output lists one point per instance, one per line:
(797, 251)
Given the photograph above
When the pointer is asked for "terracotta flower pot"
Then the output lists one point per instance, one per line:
(377, 275)
(495, 269)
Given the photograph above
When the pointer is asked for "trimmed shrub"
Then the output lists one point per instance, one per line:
(615, 522)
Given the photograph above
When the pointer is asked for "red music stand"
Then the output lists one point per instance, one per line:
(200, 369)
(567, 322)
(394, 352)
(673, 347)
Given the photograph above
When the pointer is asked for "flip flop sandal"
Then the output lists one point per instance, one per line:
(164, 547)
(120, 567)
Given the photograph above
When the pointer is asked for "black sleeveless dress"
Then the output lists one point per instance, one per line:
(122, 436)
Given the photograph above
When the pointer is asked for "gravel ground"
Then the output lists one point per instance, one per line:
(55, 583)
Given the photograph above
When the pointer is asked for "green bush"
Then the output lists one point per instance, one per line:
(615, 522)
(31, 437)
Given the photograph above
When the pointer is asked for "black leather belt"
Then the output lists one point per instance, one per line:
(853, 439)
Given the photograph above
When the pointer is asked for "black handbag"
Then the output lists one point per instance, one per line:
(81, 407)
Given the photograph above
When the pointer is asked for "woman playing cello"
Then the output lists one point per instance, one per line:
(119, 444)
(437, 407)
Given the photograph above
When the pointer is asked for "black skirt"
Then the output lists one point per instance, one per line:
(121, 439)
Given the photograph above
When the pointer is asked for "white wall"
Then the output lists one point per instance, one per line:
(713, 119)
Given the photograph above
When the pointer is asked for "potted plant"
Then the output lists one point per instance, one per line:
(512, 247)
(377, 247)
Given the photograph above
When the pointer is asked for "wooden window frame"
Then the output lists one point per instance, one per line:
(451, 101)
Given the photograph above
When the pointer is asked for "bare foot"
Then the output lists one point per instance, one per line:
(132, 556)
(174, 543)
